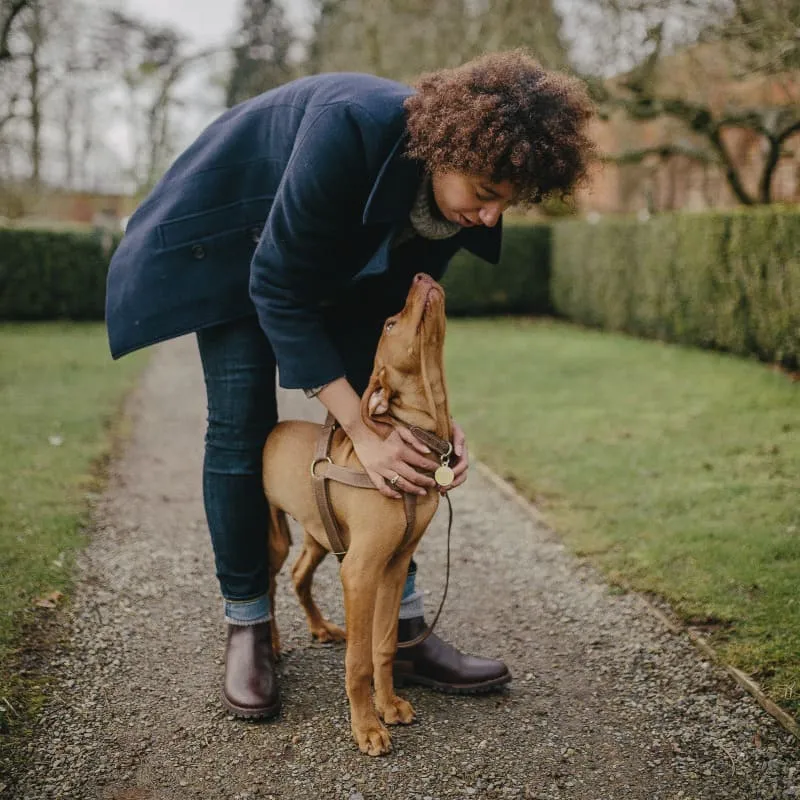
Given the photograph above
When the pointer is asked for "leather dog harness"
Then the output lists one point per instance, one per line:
(323, 469)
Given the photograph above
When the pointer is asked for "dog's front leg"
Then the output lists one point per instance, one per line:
(360, 577)
(392, 708)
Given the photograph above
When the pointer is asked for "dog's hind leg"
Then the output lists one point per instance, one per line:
(302, 576)
(360, 577)
(279, 540)
(393, 709)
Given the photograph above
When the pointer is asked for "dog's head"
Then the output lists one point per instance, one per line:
(408, 373)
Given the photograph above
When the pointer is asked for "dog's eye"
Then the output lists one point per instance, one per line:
(389, 325)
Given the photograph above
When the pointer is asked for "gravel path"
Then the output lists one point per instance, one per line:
(605, 704)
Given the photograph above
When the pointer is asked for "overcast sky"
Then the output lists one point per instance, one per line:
(206, 21)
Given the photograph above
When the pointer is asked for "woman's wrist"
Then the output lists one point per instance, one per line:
(341, 400)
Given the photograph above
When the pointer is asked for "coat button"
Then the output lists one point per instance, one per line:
(198, 251)
(255, 234)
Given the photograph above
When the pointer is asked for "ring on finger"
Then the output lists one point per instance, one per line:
(393, 481)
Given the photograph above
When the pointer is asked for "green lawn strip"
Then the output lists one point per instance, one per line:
(676, 471)
(60, 397)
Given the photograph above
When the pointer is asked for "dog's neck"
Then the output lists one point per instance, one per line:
(428, 410)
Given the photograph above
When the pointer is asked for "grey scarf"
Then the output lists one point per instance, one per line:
(424, 219)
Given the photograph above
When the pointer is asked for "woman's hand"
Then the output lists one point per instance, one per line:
(461, 463)
(401, 455)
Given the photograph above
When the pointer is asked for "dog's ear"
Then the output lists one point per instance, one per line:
(375, 400)
(378, 394)
(378, 402)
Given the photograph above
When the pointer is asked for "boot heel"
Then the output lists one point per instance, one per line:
(399, 680)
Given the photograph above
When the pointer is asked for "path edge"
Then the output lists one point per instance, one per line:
(784, 719)
(58, 621)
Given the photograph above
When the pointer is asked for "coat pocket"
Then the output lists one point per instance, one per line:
(244, 215)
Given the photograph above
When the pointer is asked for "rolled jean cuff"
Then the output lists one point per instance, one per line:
(412, 607)
(247, 612)
(409, 589)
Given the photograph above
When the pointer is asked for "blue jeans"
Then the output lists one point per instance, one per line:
(239, 369)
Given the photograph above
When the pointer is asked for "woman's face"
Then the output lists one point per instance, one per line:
(470, 199)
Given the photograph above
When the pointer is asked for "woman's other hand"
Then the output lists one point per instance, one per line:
(393, 463)
(461, 461)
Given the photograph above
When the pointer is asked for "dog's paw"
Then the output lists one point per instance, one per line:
(327, 633)
(372, 738)
(397, 711)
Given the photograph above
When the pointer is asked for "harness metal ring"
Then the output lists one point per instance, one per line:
(317, 461)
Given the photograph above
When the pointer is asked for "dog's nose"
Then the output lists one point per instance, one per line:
(421, 276)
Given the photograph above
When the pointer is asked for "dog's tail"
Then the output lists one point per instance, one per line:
(279, 539)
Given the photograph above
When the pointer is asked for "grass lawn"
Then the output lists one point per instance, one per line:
(675, 471)
(59, 394)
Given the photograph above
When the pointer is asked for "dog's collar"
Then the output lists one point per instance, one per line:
(443, 474)
(441, 447)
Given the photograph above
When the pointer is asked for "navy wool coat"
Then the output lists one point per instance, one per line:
(286, 207)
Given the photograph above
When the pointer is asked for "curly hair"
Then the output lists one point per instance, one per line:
(503, 116)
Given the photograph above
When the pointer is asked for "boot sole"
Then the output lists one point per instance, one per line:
(406, 679)
(241, 712)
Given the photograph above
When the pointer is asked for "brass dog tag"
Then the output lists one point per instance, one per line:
(444, 475)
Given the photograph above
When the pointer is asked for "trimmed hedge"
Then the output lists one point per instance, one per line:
(61, 275)
(519, 284)
(726, 280)
(52, 274)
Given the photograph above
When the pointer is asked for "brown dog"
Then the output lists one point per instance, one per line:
(407, 387)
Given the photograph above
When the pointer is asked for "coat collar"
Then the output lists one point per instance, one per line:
(393, 194)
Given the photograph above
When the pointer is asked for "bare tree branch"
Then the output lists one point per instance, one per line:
(663, 151)
(792, 129)
(157, 115)
(771, 162)
(731, 173)
(10, 114)
(5, 31)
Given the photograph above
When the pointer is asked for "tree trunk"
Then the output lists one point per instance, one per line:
(34, 76)
(731, 173)
(87, 146)
(69, 138)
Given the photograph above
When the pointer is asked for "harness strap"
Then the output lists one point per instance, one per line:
(327, 470)
(321, 488)
(323, 470)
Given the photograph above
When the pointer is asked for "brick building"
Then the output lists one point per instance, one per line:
(701, 75)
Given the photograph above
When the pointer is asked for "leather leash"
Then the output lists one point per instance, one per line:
(323, 469)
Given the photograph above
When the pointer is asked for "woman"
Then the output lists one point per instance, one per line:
(284, 236)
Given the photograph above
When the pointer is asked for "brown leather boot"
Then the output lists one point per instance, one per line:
(441, 667)
(251, 686)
